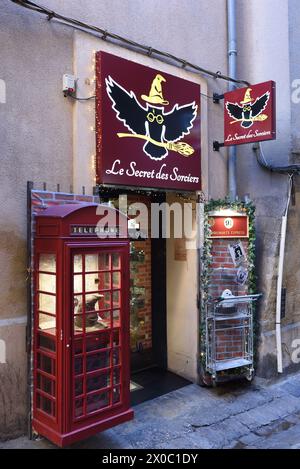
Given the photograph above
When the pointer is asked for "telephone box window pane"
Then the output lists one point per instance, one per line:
(97, 361)
(47, 283)
(46, 343)
(91, 282)
(47, 303)
(78, 386)
(116, 338)
(98, 281)
(77, 263)
(116, 356)
(105, 300)
(78, 323)
(79, 407)
(45, 384)
(116, 299)
(104, 319)
(116, 318)
(97, 342)
(47, 262)
(93, 302)
(77, 283)
(104, 261)
(77, 304)
(97, 402)
(116, 376)
(47, 323)
(98, 381)
(116, 261)
(104, 281)
(91, 322)
(116, 279)
(46, 405)
(78, 366)
(78, 348)
(91, 262)
(116, 395)
(46, 364)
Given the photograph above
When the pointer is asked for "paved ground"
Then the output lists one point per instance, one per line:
(231, 416)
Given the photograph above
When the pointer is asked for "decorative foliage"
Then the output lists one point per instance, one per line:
(206, 258)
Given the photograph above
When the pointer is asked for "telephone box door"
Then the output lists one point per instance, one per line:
(98, 345)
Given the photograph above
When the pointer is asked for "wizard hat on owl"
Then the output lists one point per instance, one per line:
(247, 98)
(155, 93)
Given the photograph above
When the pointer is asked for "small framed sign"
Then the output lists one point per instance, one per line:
(249, 114)
(224, 226)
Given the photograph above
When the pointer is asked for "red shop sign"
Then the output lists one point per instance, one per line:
(147, 125)
(249, 114)
(227, 226)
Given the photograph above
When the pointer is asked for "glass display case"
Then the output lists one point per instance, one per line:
(81, 325)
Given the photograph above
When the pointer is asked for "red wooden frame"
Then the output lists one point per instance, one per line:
(104, 391)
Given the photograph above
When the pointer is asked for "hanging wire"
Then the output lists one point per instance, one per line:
(104, 35)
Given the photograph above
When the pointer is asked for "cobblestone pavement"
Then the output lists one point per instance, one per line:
(232, 416)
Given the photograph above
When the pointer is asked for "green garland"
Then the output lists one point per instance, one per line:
(206, 260)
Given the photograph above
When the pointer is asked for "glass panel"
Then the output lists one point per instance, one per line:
(46, 343)
(96, 342)
(97, 402)
(103, 281)
(98, 281)
(77, 263)
(46, 364)
(104, 261)
(47, 283)
(105, 300)
(47, 262)
(116, 338)
(78, 366)
(116, 395)
(104, 319)
(78, 386)
(91, 262)
(93, 302)
(116, 279)
(47, 323)
(78, 348)
(99, 381)
(46, 405)
(116, 376)
(79, 407)
(47, 303)
(77, 283)
(78, 323)
(97, 361)
(116, 318)
(46, 384)
(91, 282)
(77, 304)
(116, 261)
(116, 299)
(116, 356)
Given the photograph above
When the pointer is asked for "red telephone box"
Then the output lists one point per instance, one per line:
(81, 322)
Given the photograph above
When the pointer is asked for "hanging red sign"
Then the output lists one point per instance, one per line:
(147, 126)
(249, 114)
(227, 226)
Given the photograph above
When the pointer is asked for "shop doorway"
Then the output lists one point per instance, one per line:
(150, 376)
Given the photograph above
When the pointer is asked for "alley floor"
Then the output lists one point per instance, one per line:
(237, 415)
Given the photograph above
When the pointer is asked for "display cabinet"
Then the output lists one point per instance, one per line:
(81, 322)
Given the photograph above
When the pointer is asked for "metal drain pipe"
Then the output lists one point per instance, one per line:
(232, 61)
